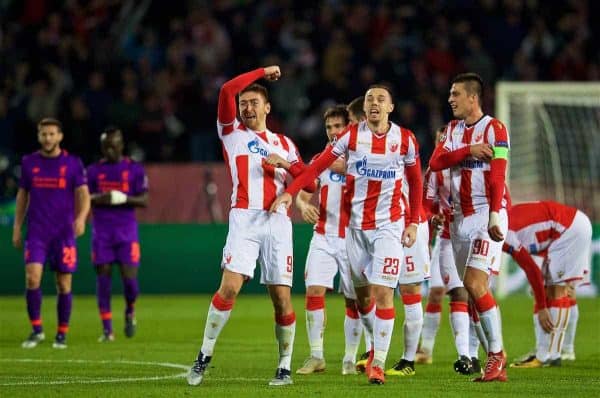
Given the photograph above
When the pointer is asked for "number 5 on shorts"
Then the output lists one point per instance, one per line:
(391, 265)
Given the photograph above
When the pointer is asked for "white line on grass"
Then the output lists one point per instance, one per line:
(94, 381)
(112, 380)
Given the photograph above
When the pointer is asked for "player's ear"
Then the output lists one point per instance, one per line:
(267, 108)
(390, 107)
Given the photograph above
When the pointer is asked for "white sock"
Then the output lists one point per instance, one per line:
(285, 331)
(413, 324)
(459, 320)
(542, 340)
(559, 311)
(431, 324)
(315, 324)
(352, 333)
(215, 321)
(474, 339)
(384, 326)
(569, 340)
(490, 322)
(367, 320)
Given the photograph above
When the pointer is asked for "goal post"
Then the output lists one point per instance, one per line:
(555, 149)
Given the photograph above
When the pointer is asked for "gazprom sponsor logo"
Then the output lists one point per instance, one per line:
(363, 170)
(472, 164)
(254, 147)
(336, 177)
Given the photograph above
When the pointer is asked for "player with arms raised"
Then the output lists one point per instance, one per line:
(378, 153)
(118, 185)
(54, 194)
(475, 150)
(254, 234)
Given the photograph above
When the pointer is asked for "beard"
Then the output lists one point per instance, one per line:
(49, 149)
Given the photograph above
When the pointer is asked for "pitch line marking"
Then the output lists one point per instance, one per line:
(96, 381)
(112, 380)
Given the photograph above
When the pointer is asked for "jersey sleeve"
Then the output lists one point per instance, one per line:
(412, 154)
(340, 143)
(79, 173)
(497, 136)
(140, 182)
(25, 180)
(293, 154)
(511, 243)
(92, 176)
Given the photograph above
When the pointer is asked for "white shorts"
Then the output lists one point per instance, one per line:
(326, 256)
(259, 235)
(472, 244)
(443, 268)
(416, 264)
(570, 255)
(376, 255)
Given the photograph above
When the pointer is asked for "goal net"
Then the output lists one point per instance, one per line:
(555, 147)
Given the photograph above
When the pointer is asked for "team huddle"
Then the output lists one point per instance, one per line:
(373, 224)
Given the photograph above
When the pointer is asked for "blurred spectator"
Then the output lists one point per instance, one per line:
(154, 68)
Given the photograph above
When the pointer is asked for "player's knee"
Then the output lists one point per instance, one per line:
(128, 271)
(32, 281)
(436, 295)
(228, 292)
(103, 269)
(63, 286)
(459, 294)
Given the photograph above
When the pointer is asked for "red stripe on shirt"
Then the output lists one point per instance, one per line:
(547, 235)
(320, 228)
(404, 141)
(344, 215)
(284, 142)
(269, 188)
(241, 163)
(370, 204)
(349, 194)
(396, 209)
(353, 138)
(466, 200)
(378, 144)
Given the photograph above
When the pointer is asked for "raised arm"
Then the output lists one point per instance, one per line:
(227, 107)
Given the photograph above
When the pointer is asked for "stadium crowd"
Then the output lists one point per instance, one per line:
(154, 68)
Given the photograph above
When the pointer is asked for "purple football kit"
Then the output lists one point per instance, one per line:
(114, 228)
(51, 183)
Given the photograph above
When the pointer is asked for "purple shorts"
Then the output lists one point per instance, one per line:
(60, 253)
(106, 252)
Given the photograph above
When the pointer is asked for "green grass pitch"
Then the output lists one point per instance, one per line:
(170, 332)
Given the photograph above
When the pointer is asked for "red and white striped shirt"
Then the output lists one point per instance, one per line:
(333, 213)
(470, 180)
(535, 225)
(437, 189)
(375, 172)
(255, 183)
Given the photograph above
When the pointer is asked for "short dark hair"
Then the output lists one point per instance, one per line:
(112, 130)
(473, 83)
(257, 88)
(49, 121)
(337, 111)
(356, 107)
(385, 87)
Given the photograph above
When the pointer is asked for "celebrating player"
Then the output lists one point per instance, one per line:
(327, 255)
(254, 234)
(563, 236)
(475, 150)
(118, 185)
(378, 153)
(54, 194)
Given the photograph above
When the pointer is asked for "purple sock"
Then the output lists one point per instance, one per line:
(131, 291)
(63, 308)
(103, 286)
(34, 308)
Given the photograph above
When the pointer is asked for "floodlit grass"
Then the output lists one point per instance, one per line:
(170, 332)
